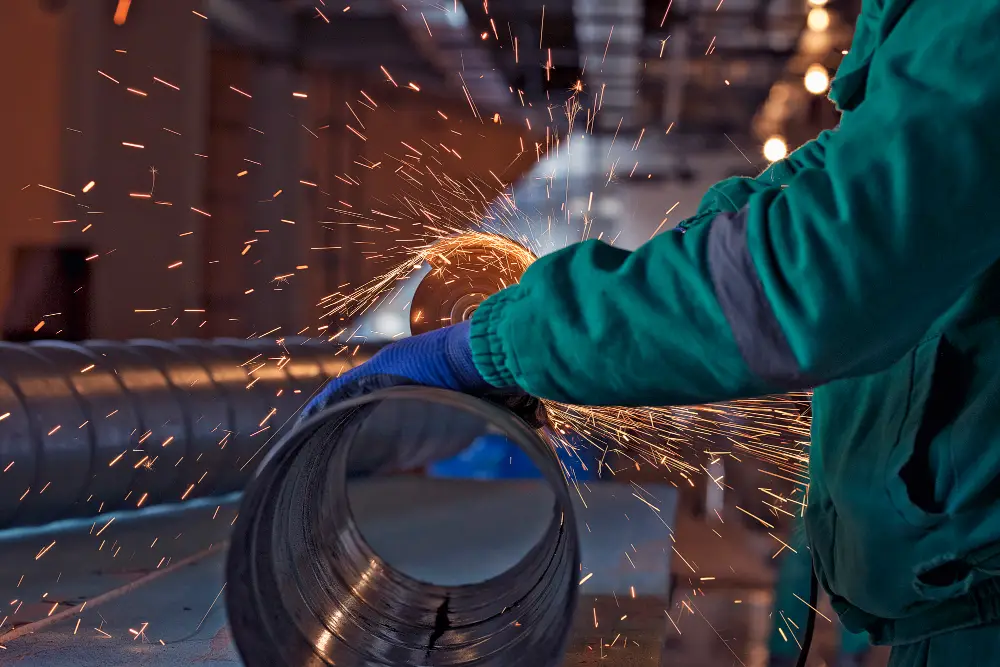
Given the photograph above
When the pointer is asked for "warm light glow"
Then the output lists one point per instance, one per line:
(816, 80)
(818, 19)
(775, 149)
(817, 3)
(121, 13)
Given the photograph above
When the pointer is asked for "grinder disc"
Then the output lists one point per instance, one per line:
(465, 271)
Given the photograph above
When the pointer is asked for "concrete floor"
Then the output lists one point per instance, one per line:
(153, 587)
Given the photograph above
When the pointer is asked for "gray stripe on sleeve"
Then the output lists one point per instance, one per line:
(738, 288)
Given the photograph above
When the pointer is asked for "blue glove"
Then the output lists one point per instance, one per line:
(440, 358)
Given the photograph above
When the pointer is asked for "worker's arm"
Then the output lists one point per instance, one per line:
(731, 194)
(838, 274)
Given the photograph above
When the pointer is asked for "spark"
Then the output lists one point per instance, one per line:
(62, 192)
(45, 550)
(105, 526)
(812, 607)
(388, 76)
(121, 12)
(165, 83)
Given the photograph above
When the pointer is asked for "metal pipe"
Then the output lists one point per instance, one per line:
(314, 592)
(103, 426)
(100, 426)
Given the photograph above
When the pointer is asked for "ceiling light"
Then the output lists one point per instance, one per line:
(818, 19)
(775, 149)
(816, 80)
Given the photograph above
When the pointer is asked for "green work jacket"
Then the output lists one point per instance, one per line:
(865, 265)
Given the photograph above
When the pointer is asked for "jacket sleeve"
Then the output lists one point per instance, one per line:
(810, 155)
(731, 194)
(836, 275)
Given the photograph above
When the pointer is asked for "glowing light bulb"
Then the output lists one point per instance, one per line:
(816, 80)
(775, 149)
(818, 19)
(818, 3)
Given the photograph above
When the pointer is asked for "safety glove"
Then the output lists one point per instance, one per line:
(440, 358)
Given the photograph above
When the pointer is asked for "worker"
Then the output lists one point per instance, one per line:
(865, 266)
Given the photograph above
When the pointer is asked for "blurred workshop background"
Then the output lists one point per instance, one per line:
(197, 169)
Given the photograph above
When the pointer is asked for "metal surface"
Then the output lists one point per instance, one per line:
(60, 455)
(463, 276)
(315, 590)
(101, 426)
(185, 610)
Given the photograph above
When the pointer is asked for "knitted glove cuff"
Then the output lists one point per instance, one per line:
(458, 354)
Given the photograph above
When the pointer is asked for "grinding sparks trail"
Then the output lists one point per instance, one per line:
(772, 430)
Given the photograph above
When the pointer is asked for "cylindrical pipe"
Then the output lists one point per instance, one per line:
(102, 426)
(314, 592)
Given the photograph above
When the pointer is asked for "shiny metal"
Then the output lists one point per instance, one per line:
(468, 269)
(61, 453)
(314, 592)
(113, 427)
(103, 426)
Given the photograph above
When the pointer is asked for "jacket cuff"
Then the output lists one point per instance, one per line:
(493, 359)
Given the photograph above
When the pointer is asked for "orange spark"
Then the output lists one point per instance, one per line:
(121, 13)
(165, 83)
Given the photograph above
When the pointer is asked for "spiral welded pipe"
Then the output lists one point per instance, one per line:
(92, 427)
(314, 591)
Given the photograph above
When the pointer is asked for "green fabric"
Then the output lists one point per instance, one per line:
(974, 647)
(790, 614)
(566, 331)
(732, 194)
(879, 267)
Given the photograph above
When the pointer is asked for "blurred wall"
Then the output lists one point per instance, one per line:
(144, 118)
(645, 204)
(32, 134)
(78, 89)
(210, 177)
(304, 207)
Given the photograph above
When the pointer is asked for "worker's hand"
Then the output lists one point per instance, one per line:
(440, 358)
